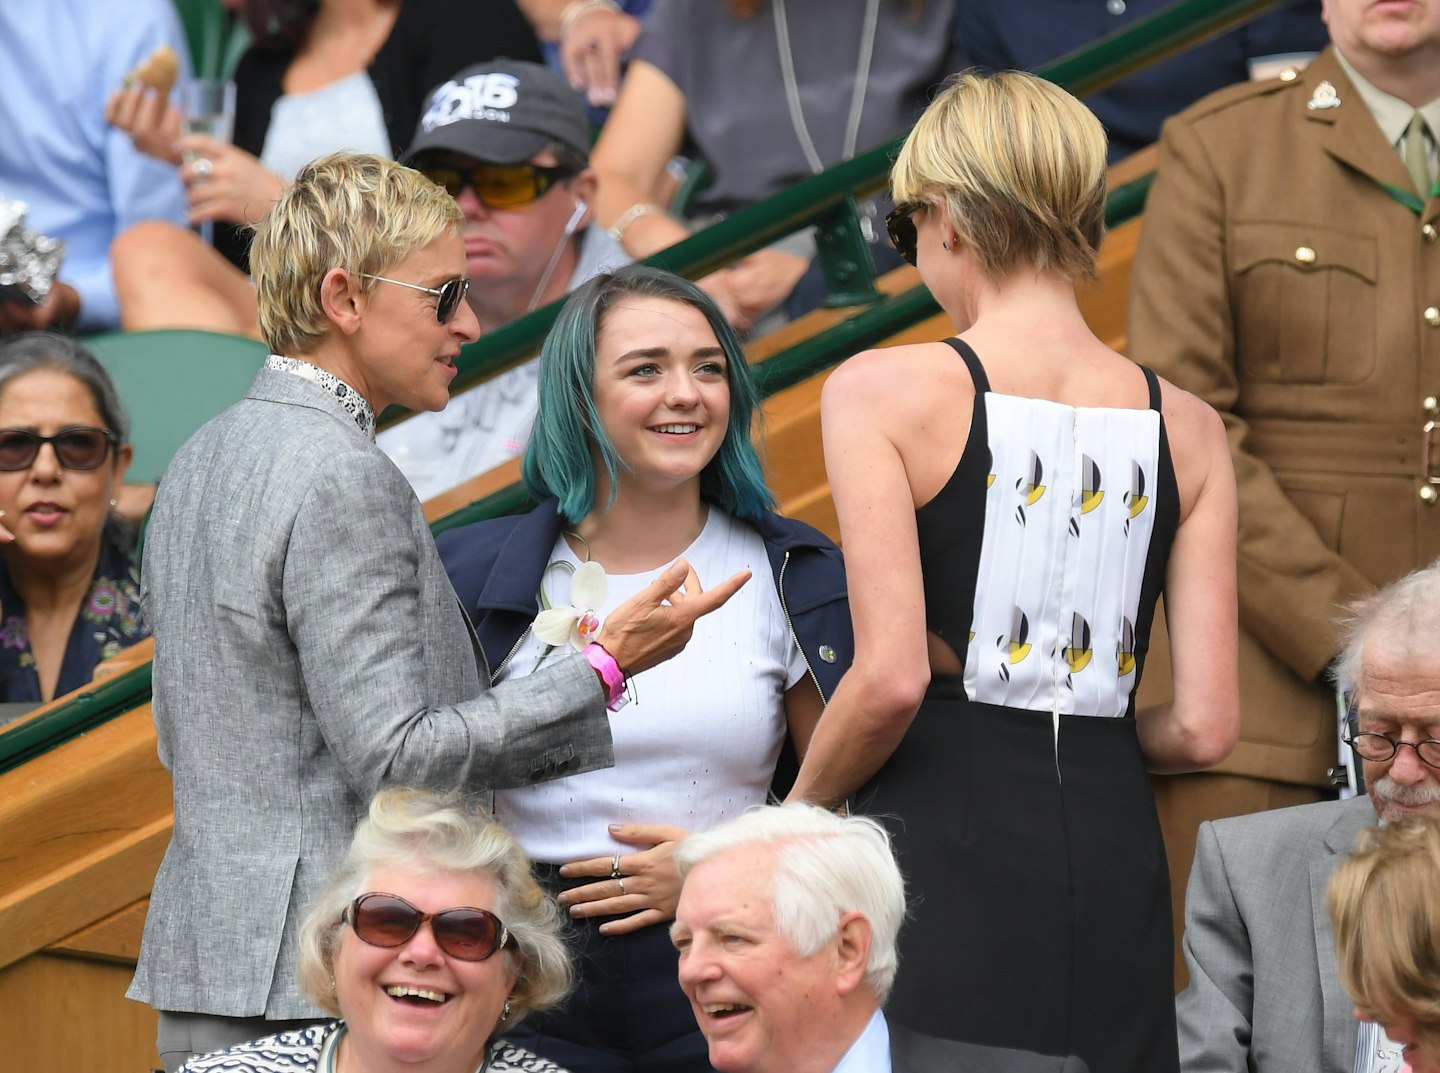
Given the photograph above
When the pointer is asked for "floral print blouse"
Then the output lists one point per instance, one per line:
(109, 621)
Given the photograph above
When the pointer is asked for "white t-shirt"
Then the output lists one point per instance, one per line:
(342, 115)
(698, 744)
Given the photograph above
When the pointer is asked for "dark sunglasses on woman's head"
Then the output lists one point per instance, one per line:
(901, 228)
(76, 446)
(448, 295)
(499, 186)
(388, 920)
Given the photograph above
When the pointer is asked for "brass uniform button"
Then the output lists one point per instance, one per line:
(1432, 316)
(1430, 233)
(1305, 255)
(1431, 405)
(1428, 493)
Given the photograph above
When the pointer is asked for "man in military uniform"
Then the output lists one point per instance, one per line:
(1289, 273)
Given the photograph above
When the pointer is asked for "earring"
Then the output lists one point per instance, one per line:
(332, 983)
(114, 503)
(944, 245)
(505, 1013)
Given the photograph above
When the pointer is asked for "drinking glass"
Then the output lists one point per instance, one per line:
(208, 105)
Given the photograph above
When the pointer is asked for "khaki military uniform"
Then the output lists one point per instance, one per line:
(1279, 279)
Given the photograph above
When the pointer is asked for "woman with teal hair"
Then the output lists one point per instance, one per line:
(641, 452)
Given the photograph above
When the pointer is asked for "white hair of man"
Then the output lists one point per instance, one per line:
(825, 866)
(1406, 613)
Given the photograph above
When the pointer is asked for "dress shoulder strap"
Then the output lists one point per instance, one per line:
(972, 362)
(1153, 383)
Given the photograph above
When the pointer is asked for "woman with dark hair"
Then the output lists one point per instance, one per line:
(322, 75)
(69, 594)
(641, 452)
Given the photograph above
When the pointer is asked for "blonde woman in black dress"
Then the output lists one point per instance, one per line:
(1012, 502)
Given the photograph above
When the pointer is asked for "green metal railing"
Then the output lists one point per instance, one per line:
(826, 201)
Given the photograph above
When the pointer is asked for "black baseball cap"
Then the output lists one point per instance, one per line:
(502, 112)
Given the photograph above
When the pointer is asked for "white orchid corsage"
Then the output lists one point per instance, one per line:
(578, 624)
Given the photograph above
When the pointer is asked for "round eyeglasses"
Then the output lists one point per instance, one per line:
(388, 920)
(1369, 745)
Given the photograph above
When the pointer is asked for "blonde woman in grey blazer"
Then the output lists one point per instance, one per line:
(308, 646)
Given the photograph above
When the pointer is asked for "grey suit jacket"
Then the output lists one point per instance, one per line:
(913, 1052)
(309, 650)
(1264, 994)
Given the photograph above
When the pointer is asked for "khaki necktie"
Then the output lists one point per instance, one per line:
(1416, 162)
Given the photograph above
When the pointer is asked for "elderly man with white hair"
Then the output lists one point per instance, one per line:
(786, 932)
(1265, 995)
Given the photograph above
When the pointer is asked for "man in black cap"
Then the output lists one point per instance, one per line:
(510, 141)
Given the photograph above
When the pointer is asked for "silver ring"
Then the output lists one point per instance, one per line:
(615, 866)
(621, 881)
(202, 169)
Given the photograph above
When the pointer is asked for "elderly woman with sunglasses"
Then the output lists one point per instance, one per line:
(68, 589)
(309, 649)
(429, 941)
(1012, 502)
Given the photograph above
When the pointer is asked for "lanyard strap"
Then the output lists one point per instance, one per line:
(1411, 200)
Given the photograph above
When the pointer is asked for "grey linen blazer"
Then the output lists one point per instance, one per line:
(309, 650)
(1264, 994)
(914, 1052)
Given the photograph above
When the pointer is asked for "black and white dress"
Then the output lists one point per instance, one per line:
(1019, 801)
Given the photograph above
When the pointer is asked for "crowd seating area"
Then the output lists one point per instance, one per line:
(84, 802)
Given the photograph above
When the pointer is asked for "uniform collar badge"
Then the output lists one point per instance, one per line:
(1323, 97)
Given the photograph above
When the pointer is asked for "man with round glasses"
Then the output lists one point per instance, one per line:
(1264, 991)
(510, 142)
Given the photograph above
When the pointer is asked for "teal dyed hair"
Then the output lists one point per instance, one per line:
(558, 460)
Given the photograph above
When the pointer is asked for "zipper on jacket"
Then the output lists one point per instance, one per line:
(785, 609)
(495, 676)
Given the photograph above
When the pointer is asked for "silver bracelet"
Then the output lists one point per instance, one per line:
(629, 216)
(578, 9)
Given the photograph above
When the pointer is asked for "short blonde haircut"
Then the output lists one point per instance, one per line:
(354, 211)
(433, 832)
(1021, 166)
(1384, 900)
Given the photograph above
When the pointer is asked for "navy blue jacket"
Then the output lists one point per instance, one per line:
(496, 566)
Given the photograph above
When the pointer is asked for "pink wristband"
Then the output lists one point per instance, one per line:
(610, 673)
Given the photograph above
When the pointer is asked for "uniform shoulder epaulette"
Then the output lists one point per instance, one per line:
(1241, 92)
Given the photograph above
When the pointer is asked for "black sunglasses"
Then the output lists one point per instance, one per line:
(448, 295)
(499, 186)
(76, 446)
(388, 920)
(901, 229)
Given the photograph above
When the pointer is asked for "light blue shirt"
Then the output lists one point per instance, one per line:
(83, 180)
(871, 1052)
